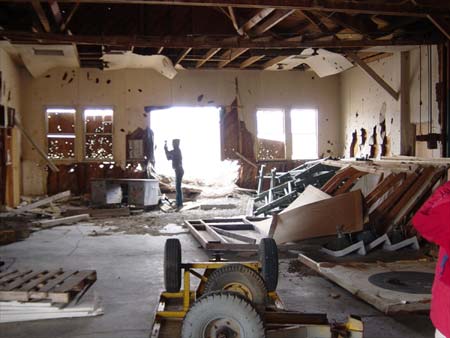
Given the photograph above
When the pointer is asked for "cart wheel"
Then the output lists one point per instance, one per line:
(172, 265)
(222, 314)
(240, 279)
(268, 256)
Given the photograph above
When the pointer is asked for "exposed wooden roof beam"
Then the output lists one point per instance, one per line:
(203, 42)
(56, 11)
(358, 25)
(41, 14)
(233, 19)
(274, 61)
(369, 71)
(255, 19)
(231, 55)
(160, 50)
(207, 57)
(272, 21)
(437, 7)
(315, 21)
(183, 55)
(251, 60)
(441, 24)
(70, 16)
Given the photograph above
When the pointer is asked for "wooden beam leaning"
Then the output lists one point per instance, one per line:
(251, 60)
(41, 14)
(183, 55)
(230, 55)
(272, 21)
(441, 24)
(233, 19)
(315, 21)
(56, 11)
(208, 56)
(366, 68)
(70, 16)
(254, 20)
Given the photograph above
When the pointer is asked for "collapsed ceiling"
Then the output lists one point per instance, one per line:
(164, 35)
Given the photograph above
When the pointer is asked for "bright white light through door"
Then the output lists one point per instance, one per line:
(198, 129)
(304, 134)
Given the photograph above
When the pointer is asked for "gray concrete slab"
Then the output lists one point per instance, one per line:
(130, 279)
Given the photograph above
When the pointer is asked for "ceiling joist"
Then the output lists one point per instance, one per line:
(254, 20)
(41, 15)
(207, 57)
(432, 7)
(272, 21)
(251, 60)
(231, 55)
(203, 42)
(441, 24)
(183, 55)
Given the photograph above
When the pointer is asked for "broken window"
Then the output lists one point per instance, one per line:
(271, 135)
(98, 123)
(304, 134)
(61, 133)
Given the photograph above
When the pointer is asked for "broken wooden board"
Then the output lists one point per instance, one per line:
(354, 277)
(225, 234)
(50, 223)
(321, 218)
(41, 202)
(56, 285)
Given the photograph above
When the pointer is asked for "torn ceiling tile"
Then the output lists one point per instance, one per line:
(39, 59)
(159, 63)
(323, 62)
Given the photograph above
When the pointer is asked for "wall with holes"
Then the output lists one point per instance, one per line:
(129, 91)
(10, 98)
(372, 119)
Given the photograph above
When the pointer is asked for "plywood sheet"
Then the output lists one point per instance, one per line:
(354, 277)
(317, 219)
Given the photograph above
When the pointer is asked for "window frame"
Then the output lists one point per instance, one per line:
(65, 159)
(85, 133)
(316, 133)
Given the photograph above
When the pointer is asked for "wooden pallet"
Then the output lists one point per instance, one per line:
(56, 285)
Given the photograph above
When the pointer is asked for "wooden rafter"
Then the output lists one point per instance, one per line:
(251, 60)
(441, 24)
(255, 19)
(208, 56)
(437, 7)
(230, 55)
(203, 42)
(272, 21)
(160, 50)
(233, 19)
(41, 14)
(70, 16)
(358, 25)
(56, 11)
(366, 68)
(183, 55)
(315, 21)
(274, 61)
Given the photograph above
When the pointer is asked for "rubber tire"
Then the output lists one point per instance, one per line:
(239, 273)
(172, 265)
(222, 305)
(268, 257)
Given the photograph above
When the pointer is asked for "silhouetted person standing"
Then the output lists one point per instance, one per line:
(177, 164)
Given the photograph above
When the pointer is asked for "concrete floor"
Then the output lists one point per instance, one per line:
(130, 278)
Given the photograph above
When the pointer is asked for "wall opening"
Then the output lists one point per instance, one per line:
(198, 129)
(304, 134)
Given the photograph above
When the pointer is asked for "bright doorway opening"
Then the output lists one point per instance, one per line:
(198, 128)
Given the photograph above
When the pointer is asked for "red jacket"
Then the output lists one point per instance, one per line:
(433, 222)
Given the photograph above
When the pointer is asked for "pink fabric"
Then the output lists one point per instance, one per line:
(433, 222)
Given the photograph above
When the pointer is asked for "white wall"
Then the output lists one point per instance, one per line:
(365, 103)
(129, 91)
(10, 97)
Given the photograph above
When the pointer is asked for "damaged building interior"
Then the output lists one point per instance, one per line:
(183, 168)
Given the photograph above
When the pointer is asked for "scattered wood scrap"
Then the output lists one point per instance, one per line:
(41, 202)
(99, 213)
(57, 286)
(50, 223)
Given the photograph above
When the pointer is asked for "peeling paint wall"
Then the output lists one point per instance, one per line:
(129, 91)
(372, 119)
(10, 97)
